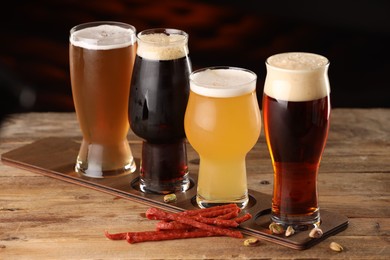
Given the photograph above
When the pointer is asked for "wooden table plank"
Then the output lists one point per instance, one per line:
(43, 218)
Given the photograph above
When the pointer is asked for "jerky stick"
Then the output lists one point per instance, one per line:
(211, 221)
(117, 236)
(243, 218)
(154, 213)
(201, 211)
(216, 221)
(226, 214)
(218, 212)
(136, 237)
(165, 225)
(230, 215)
(172, 225)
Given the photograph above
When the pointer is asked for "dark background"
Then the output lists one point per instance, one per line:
(353, 35)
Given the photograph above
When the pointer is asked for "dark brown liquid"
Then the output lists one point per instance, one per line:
(296, 134)
(158, 100)
(164, 167)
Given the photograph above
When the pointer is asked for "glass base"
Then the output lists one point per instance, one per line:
(298, 222)
(164, 167)
(150, 186)
(204, 203)
(83, 169)
(105, 160)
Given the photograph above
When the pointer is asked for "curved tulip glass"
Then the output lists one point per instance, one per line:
(158, 99)
(222, 123)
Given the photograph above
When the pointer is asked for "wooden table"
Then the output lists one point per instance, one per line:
(45, 218)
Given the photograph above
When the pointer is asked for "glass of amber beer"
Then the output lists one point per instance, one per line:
(296, 112)
(158, 99)
(101, 63)
(222, 123)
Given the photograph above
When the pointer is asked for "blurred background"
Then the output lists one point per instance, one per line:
(353, 34)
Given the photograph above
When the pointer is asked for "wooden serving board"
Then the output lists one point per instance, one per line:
(55, 157)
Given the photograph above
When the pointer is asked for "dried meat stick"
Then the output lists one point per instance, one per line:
(164, 225)
(243, 218)
(218, 212)
(117, 236)
(211, 221)
(201, 211)
(172, 225)
(137, 237)
(209, 212)
(216, 221)
(230, 215)
(154, 213)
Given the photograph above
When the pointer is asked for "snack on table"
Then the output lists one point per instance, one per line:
(215, 221)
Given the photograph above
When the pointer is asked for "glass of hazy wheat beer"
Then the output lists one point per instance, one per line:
(101, 63)
(296, 111)
(222, 123)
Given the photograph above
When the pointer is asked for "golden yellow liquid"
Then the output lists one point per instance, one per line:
(222, 131)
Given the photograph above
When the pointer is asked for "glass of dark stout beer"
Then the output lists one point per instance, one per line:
(296, 112)
(158, 99)
(101, 56)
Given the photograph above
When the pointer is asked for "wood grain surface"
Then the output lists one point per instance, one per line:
(44, 218)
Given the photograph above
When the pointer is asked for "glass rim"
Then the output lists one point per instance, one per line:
(96, 23)
(166, 31)
(230, 90)
(92, 42)
(300, 70)
(224, 68)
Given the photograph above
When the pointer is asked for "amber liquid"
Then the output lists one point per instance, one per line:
(100, 86)
(296, 134)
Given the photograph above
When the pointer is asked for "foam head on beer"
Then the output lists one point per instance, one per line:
(103, 37)
(223, 82)
(297, 76)
(170, 45)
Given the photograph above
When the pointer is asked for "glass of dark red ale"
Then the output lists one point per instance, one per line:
(296, 112)
(101, 56)
(158, 99)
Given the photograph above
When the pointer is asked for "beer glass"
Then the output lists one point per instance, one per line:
(158, 99)
(296, 111)
(222, 123)
(101, 62)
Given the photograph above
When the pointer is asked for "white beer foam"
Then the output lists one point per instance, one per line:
(160, 46)
(297, 76)
(222, 83)
(103, 37)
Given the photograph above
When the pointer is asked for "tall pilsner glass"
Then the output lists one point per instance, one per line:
(101, 63)
(222, 123)
(158, 99)
(296, 112)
